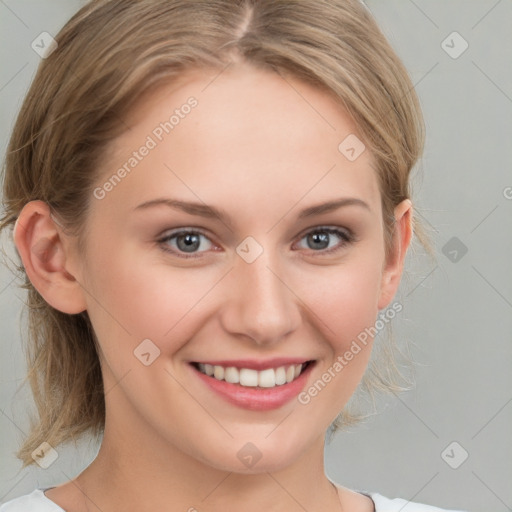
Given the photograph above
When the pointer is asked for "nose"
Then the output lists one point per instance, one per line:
(260, 303)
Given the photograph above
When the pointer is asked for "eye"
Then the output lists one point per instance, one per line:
(190, 243)
(186, 243)
(326, 239)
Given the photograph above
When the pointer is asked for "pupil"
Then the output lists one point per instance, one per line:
(319, 240)
(188, 243)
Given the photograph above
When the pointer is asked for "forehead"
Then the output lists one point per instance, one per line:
(268, 137)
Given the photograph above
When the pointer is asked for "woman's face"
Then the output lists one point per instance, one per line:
(291, 271)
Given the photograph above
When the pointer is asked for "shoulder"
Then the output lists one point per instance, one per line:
(383, 504)
(36, 501)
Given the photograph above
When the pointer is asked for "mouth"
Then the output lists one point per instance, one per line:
(251, 377)
(254, 385)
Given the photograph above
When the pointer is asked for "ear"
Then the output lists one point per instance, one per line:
(42, 248)
(394, 265)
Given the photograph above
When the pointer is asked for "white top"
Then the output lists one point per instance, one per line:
(37, 501)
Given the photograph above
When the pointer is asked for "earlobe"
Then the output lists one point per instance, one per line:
(40, 244)
(395, 263)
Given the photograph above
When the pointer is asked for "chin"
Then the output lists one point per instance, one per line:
(252, 454)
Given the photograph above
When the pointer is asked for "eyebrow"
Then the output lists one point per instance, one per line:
(204, 210)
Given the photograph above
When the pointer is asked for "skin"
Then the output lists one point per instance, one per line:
(261, 152)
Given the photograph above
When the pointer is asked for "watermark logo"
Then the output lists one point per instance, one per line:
(45, 455)
(454, 45)
(175, 119)
(355, 347)
(157, 135)
(44, 45)
(249, 249)
(454, 249)
(351, 147)
(146, 352)
(454, 455)
(249, 455)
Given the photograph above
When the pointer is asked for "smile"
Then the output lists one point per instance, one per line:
(255, 385)
(249, 377)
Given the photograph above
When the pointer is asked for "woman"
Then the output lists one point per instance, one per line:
(211, 204)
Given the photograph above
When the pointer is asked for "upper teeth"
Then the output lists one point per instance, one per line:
(268, 378)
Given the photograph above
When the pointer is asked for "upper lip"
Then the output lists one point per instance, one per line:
(256, 364)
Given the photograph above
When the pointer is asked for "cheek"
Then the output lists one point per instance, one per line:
(137, 297)
(345, 298)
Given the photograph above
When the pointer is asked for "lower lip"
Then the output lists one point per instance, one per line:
(253, 398)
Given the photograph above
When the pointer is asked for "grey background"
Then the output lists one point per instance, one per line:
(457, 313)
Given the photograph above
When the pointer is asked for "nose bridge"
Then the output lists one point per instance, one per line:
(262, 306)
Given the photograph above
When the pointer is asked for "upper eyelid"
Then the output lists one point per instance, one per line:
(177, 231)
(326, 227)
(193, 229)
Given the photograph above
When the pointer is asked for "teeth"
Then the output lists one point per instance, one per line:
(218, 372)
(231, 375)
(247, 377)
(280, 376)
(267, 378)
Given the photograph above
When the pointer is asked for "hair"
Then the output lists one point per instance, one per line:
(111, 53)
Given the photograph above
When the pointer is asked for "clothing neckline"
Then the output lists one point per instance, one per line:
(42, 490)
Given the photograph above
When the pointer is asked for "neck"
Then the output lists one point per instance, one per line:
(155, 475)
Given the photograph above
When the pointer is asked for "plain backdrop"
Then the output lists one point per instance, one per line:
(447, 442)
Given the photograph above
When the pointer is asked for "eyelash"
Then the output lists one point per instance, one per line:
(346, 237)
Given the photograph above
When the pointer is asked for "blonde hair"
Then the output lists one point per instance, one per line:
(108, 55)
